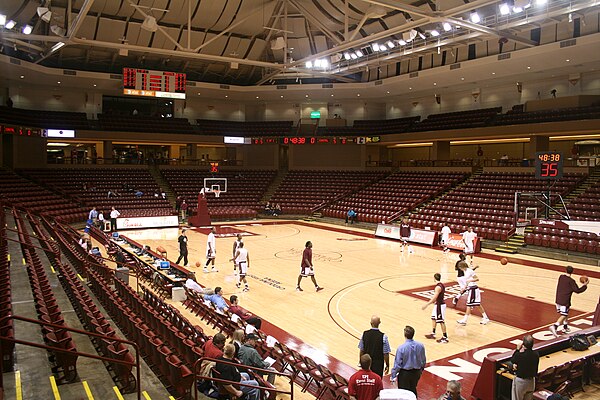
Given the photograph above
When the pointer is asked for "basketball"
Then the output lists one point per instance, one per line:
(198, 264)
(584, 279)
(503, 261)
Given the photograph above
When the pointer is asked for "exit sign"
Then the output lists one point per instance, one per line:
(315, 114)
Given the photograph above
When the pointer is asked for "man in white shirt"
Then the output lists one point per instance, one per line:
(101, 220)
(469, 240)
(445, 237)
(211, 250)
(114, 214)
(473, 295)
(242, 259)
(236, 244)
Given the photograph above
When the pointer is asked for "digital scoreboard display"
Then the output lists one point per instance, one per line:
(548, 165)
(147, 83)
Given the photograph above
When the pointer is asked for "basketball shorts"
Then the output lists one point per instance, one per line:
(473, 296)
(243, 265)
(444, 240)
(210, 254)
(405, 239)
(307, 271)
(462, 282)
(469, 248)
(563, 310)
(438, 314)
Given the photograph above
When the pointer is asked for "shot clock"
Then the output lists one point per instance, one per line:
(548, 165)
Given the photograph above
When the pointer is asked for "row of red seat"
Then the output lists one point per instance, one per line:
(563, 243)
(7, 325)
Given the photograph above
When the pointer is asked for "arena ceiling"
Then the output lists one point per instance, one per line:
(260, 42)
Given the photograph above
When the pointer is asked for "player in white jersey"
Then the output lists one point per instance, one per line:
(211, 250)
(235, 247)
(242, 259)
(469, 240)
(473, 295)
(445, 237)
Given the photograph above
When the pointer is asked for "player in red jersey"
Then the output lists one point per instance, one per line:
(306, 268)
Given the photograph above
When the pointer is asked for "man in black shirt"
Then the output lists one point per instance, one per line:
(376, 344)
(183, 250)
(525, 364)
(230, 372)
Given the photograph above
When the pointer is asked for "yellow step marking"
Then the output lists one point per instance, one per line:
(146, 395)
(118, 393)
(54, 388)
(23, 260)
(171, 398)
(52, 269)
(18, 385)
(86, 387)
(79, 276)
(9, 257)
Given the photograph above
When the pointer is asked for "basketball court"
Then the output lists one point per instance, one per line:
(363, 275)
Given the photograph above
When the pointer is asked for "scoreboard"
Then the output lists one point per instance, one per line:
(147, 83)
(311, 140)
(548, 165)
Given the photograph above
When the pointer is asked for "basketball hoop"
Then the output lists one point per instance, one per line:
(217, 193)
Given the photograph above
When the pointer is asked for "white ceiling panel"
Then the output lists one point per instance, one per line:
(297, 26)
(236, 45)
(160, 40)
(110, 30)
(87, 30)
(197, 38)
(257, 49)
(215, 47)
(178, 12)
(320, 43)
(207, 14)
(137, 36)
(228, 15)
(257, 21)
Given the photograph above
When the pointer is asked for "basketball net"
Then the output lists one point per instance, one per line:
(217, 193)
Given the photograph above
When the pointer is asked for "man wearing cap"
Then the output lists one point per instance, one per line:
(249, 356)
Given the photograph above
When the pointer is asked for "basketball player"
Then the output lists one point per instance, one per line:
(242, 259)
(306, 268)
(565, 288)
(445, 237)
(473, 295)
(404, 232)
(438, 314)
(469, 241)
(460, 277)
(211, 250)
(236, 244)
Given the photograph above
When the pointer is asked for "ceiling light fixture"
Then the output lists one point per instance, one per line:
(390, 44)
(2, 19)
(402, 42)
(375, 46)
(57, 46)
(347, 56)
(58, 30)
(27, 29)
(422, 35)
(44, 13)
(382, 47)
(10, 24)
(435, 33)
(150, 24)
(475, 18)
(504, 9)
(359, 53)
(309, 64)
(447, 27)
(541, 2)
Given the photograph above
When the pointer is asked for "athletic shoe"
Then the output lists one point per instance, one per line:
(430, 336)
(462, 322)
(237, 285)
(566, 329)
(205, 269)
(299, 289)
(484, 321)
(246, 289)
(454, 301)
(214, 269)
(319, 288)
(443, 339)
(553, 330)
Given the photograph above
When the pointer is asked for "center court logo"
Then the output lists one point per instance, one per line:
(296, 254)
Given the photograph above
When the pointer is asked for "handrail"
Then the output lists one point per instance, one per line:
(56, 349)
(264, 371)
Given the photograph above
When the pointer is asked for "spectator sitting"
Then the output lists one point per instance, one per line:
(452, 391)
(268, 209)
(250, 357)
(139, 193)
(230, 373)
(277, 210)
(351, 216)
(234, 308)
(237, 339)
(217, 299)
(112, 193)
(163, 195)
(213, 348)
(156, 194)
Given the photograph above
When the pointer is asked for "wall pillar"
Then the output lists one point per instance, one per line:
(174, 151)
(192, 151)
(440, 151)
(107, 152)
(538, 143)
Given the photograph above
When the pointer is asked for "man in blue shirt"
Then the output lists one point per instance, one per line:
(351, 216)
(217, 299)
(409, 363)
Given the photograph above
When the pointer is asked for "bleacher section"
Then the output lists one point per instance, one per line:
(301, 191)
(394, 195)
(564, 239)
(518, 116)
(248, 128)
(137, 123)
(486, 202)
(586, 206)
(99, 181)
(43, 119)
(244, 190)
(386, 126)
(20, 192)
(458, 120)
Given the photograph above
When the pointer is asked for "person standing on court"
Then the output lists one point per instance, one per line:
(404, 232)
(438, 315)
(242, 259)
(236, 244)
(114, 214)
(306, 268)
(525, 364)
(183, 250)
(211, 250)
(409, 363)
(565, 288)
(376, 344)
(364, 384)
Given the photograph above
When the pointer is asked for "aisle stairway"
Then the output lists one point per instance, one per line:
(274, 185)
(590, 181)
(163, 184)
